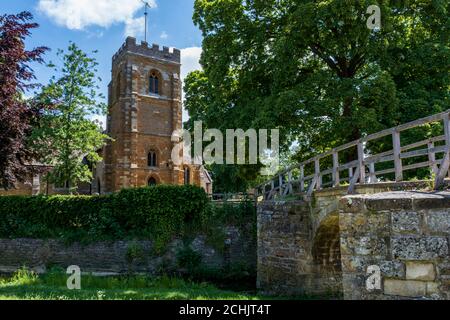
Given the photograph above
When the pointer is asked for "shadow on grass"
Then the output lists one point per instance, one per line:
(26, 285)
(41, 292)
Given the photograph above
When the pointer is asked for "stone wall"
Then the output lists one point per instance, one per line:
(292, 258)
(324, 245)
(405, 234)
(115, 258)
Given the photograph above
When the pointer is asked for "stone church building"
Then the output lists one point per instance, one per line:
(145, 108)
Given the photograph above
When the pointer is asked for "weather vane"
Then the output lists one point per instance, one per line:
(145, 14)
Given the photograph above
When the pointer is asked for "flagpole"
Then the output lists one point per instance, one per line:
(145, 14)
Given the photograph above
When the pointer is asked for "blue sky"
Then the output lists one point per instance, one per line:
(103, 25)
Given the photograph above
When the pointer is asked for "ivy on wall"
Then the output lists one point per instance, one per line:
(158, 213)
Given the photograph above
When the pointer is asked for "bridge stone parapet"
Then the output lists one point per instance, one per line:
(404, 234)
(324, 244)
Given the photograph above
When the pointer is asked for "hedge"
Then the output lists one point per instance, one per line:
(159, 213)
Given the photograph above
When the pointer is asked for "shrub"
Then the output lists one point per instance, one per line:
(188, 259)
(159, 213)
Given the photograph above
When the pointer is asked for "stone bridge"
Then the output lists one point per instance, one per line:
(356, 235)
(325, 245)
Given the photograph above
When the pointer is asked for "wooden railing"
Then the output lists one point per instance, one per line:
(363, 169)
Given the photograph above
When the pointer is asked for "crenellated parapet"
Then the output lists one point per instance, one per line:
(130, 46)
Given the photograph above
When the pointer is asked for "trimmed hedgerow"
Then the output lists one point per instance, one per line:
(159, 213)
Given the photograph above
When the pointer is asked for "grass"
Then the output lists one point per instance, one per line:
(26, 285)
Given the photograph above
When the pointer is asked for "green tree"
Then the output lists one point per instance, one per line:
(315, 71)
(66, 136)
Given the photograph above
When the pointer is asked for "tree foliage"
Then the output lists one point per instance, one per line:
(17, 115)
(315, 71)
(66, 136)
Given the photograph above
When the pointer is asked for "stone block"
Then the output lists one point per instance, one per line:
(405, 288)
(406, 221)
(444, 269)
(364, 246)
(432, 288)
(438, 221)
(420, 271)
(392, 269)
(419, 248)
(357, 264)
(378, 203)
(434, 201)
(365, 223)
(352, 204)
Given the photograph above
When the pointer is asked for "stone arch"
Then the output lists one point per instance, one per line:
(326, 248)
(119, 85)
(153, 178)
(152, 182)
(326, 253)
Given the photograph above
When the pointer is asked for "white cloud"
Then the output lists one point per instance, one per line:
(135, 27)
(190, 61)
(164, 35)
(80, 14)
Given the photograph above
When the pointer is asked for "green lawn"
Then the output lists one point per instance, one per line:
(52, 286)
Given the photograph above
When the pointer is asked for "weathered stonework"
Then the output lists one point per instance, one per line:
(114, 258)
(411, 248)
(327, 243)
(141, 121)
(291, 260)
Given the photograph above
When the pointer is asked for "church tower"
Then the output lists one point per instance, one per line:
(144, 110)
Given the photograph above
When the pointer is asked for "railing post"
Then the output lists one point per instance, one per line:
(432, 157)
(362, 166)
(280, 181)
(445, 164)
(291, 191)
(447, 134)
(302, 178)
(272, 188)
(397, 160)
(317, 174)
(372, 176)
(336, 178)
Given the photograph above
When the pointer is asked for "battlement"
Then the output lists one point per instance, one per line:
(154, 51)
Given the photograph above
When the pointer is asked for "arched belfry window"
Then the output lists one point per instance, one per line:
(154, 82)
(152, 182)
(118, 86)
(152, 159)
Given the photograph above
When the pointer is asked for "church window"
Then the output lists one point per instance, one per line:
(152, 159)
(187, 176)
(154, 83)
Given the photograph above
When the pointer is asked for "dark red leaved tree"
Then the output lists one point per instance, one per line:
(17, 115)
